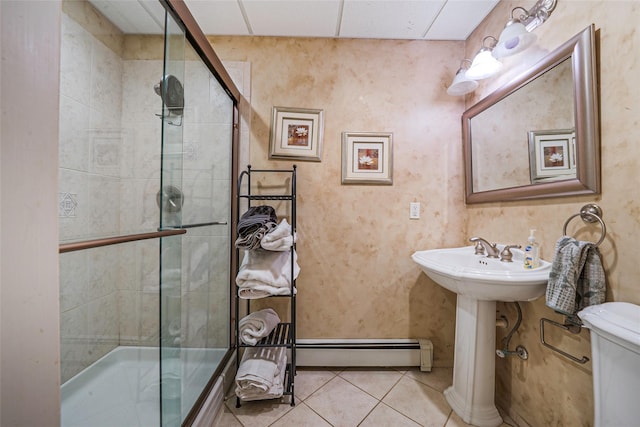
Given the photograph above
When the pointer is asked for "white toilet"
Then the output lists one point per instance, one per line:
(615, 350)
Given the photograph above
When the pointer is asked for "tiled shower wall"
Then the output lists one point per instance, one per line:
(91, 150)
(110, 156)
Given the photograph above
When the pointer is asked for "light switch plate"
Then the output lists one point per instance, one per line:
(414, 210)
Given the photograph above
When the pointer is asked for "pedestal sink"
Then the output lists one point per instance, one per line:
(479, 282)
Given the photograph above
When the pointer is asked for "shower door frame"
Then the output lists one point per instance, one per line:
(194, 35)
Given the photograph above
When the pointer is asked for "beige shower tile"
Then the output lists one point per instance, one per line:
(438, 378)
(301, 416)
(375, 382)
(308, 381)
(341, 403)
(418, 402)
(383, 415)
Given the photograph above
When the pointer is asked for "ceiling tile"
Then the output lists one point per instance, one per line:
(388, 19)
(218, 17)
(378, 19)
(459, 18)
(133, 17)
(308, 18)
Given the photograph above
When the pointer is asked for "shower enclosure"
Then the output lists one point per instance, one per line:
(146, 160)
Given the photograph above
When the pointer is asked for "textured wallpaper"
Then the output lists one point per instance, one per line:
(357, 279)
(355, 242)
(548, 380)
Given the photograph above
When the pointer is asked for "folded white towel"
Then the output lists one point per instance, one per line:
(278, 239)
(262, 291)
(261, 373)
(258, 325)
(265, 273)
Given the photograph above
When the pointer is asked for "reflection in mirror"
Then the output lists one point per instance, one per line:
(501, 158)
(538, 135)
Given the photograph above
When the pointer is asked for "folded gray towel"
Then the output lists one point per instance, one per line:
(254, 224)
(577, 277)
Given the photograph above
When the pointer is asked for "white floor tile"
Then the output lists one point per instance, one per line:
(383, 415)
(439, 378)
(341, 403)
(301, 416)
(308, 381)
(419, 402)
(260, 413)
(376, 383)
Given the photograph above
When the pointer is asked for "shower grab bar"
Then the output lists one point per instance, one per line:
(96, 243)
(200, 224)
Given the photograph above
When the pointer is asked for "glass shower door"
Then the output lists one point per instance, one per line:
(171, 200)
(197, 135)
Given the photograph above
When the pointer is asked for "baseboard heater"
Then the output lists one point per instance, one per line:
(358, 352)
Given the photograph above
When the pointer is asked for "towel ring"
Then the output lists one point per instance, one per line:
(589, 213)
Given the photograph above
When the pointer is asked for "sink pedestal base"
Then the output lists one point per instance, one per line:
(472, 394)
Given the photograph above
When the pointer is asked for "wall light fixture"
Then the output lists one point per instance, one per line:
(515, 37)
(484, 64)
(461, 84)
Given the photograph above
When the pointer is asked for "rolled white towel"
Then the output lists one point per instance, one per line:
(258, 325)
(261, 373)
(278, 239)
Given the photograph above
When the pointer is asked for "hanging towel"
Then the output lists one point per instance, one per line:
(265, 273)
(257, 325)
(577, 277)
(278, 239)
(261, 373)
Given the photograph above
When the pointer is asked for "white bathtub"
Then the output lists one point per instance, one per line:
(123, 387)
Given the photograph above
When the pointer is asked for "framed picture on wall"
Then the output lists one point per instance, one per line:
(367, 158)
(551, 154)
(296, 134)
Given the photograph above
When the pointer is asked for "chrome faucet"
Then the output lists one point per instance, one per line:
(482, 245)
(506, 255)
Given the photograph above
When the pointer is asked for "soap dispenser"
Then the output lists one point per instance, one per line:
(532, 252)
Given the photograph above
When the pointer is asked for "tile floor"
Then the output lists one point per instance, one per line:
(353, 397)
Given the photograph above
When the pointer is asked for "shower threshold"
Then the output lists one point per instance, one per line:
(123, 387)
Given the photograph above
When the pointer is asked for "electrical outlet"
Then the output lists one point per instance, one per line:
(414, 210)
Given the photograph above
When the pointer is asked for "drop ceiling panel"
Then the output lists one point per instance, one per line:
(308, 18)
(133, 17)
(459, 18)
(388, 19)
(378, 19)
(218, 17)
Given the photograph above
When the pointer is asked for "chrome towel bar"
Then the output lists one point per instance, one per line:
(573, 328)
(589, 213)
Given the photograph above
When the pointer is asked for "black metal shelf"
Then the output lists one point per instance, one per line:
(289, 383)
(266, 197)
(284, 335)
(279, 337)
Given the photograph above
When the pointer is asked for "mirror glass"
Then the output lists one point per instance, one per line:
(538, 135)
